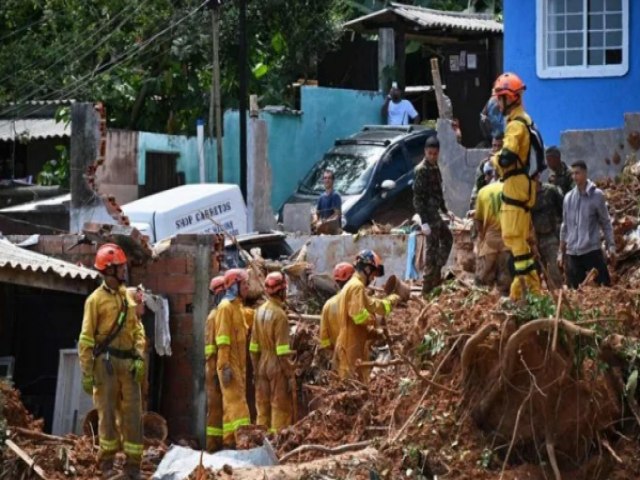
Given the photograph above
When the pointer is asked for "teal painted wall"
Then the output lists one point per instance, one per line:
(296, 142)
(185, 147)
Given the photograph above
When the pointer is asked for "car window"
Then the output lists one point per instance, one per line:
(352, 169)
(393, 166)
(415, 149)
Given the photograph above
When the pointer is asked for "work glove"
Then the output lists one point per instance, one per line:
(87, 384)
(137, 370)
(393, 299)
(227, 375)
(611, 255)
(560, 261)
(426, 229)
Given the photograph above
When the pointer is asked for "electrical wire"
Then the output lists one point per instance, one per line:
(127, 55)
(74, 49)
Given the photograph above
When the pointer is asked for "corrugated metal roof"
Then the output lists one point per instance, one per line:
(429, 19)
(33, 128)
(18, 258)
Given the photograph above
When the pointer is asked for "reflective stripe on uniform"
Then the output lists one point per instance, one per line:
(283, 349)
(86, 340)
(223, 340)
(233, 426)
(387, 306)
(214, 432)
(209, 349)
(135, 449)
(361, 317)
(522, 266)
(108, 445)
(325, 343)
(254, 347)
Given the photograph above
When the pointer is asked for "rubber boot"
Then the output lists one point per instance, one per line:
(106, 467)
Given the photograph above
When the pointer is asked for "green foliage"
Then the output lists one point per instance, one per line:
(432, 343)
(535, 306)
(56, 171)
(150, 61)
(486, 458)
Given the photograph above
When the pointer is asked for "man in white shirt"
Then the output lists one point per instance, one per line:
(396, 110)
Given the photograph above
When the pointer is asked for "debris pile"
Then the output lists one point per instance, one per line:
(49, 456)
(474, 388)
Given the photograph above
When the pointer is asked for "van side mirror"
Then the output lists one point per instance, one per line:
(388, 185)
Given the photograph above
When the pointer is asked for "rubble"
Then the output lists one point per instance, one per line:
(59, 458)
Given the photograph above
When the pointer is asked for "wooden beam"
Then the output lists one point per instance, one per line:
(26, 459)
(47, 280)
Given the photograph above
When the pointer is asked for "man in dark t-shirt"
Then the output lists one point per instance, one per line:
(327, 218)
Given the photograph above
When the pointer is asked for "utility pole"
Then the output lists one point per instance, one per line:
(214, 103)
(243, 74)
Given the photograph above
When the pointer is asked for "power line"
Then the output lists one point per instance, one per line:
(72, 49)
(82, 81)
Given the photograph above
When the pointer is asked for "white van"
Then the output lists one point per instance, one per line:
(196, 208)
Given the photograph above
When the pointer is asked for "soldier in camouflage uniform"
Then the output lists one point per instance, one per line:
(547, 218)
(428, 201)
(560, 174)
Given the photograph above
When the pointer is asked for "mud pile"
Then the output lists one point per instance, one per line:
(474, 388)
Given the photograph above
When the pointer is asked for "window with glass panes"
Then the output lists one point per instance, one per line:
(581, 35)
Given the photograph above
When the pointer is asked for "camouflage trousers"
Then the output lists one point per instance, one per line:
(439, 245)
(548, 246)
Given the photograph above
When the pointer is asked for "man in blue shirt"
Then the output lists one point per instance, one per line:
(327, 218)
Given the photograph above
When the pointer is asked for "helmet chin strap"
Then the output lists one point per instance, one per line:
(507, 107)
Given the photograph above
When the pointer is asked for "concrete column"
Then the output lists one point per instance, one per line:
(260, 214)
(386, 57)
(200, 312)
(86, 206)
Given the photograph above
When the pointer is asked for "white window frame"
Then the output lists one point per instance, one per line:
(581, 71)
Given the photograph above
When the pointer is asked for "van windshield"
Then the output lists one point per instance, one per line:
(352, 168)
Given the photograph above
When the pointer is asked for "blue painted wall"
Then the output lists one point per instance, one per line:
(575, 103)
(187, 150)
(296, 142)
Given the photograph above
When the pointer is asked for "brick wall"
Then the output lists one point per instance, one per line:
(172, 275)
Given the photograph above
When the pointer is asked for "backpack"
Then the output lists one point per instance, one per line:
(536, 148)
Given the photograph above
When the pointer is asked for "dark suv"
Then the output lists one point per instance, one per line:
(373, 174)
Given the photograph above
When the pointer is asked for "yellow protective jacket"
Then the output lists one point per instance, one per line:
(356, 312)
(270, 335)
(329, 322)
(101, 311)
(231, 335)
(210, 347)
(515, 147)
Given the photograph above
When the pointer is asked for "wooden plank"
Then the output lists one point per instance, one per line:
(26, 458)
(437, 83)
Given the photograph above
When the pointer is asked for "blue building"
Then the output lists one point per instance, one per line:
(578, 58)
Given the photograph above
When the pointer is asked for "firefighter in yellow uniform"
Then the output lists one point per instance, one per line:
(270, 354)
(329, 320)
(111, 350)
(357, 312)
(212, 384)
(231, 340)
(519, 191)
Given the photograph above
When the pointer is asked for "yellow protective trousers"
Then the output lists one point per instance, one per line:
(515, 223)
(236, 409)
(112, 392)
(214, 406)
(273, 397)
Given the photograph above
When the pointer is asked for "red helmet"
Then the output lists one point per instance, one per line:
(343, 271)
(109, 254)
(509, 85)
(371, 258)
(235, 275)
(274, 283)
(217, 285)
